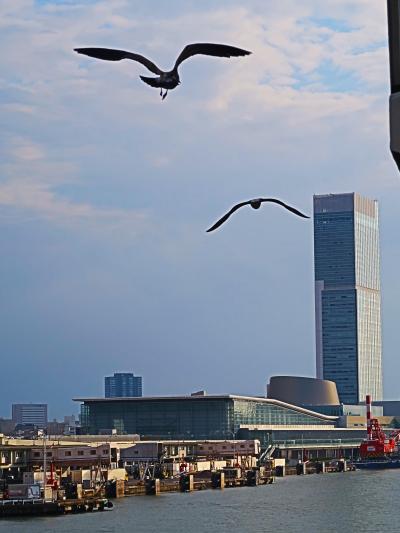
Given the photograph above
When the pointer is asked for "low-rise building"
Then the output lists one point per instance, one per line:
(76, 456)
(200, 417)
(7, 426)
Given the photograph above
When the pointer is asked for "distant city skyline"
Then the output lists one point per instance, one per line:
(347, 295)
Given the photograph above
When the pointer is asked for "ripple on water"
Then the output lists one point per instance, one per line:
(345, 503)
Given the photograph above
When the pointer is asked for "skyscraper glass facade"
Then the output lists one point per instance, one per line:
(347, 295)
(123, 385)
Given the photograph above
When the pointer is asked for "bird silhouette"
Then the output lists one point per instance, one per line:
(165, 79)
(255, 204)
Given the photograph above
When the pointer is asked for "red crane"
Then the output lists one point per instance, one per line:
(377, 444)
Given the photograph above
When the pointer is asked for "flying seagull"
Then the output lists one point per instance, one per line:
(255, 204)
(165, 79)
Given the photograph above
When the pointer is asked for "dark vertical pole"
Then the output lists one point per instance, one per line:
(394, 44)
(394, 56)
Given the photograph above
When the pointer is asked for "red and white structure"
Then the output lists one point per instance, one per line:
(377, 444)
(369, 427)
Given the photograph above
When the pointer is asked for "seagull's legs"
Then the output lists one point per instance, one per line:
(165, 95)
(161, 93)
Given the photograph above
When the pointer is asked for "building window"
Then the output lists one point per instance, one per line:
(49, 454)
(105, 452)
(80, 452)
(36, 454)
(92, 452)
(68, 454)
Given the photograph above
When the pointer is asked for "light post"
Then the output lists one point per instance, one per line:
(235, 462)
(44, 462)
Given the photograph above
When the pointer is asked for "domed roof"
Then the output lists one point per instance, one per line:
(299, 390)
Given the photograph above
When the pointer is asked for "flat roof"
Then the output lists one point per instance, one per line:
(210, 397)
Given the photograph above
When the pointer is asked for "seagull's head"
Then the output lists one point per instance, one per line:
(256, 203)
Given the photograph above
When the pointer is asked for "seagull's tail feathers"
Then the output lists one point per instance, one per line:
(153, 82)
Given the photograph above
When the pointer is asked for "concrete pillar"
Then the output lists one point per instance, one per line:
(218, 480)
(152, 487)
(186, 483)
(252, 478)
(301, 468)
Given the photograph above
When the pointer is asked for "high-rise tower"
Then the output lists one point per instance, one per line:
(347, 295)
(122, 385)
(30, 413)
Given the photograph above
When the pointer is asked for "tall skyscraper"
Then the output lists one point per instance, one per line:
(122, 385)
(30, 413)
(347, 295)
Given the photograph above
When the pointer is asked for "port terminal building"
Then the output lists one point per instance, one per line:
(194, 417)
(213, 417)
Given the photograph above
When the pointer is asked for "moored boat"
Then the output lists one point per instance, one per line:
(40, 506)
(378, 451)
(378, 463)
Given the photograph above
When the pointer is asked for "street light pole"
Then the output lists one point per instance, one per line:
(44, 465)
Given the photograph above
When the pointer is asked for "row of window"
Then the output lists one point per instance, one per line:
(200, 420)
(68, 453)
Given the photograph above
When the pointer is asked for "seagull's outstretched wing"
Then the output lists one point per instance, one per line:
(292, 209)
(210, 49)
(226, 216)
(116, 55)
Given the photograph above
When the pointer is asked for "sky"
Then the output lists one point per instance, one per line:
(106, 192)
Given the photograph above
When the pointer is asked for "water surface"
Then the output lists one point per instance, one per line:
(346, 503)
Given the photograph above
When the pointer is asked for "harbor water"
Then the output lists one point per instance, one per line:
(345, 503)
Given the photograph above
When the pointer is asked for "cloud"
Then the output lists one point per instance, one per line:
(288, 67)
(43, 202)
(26, 150)
(29, 186)
(17, 108)
(83, 109)
(161, 161)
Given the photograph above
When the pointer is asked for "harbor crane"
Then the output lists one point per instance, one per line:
(377, 444)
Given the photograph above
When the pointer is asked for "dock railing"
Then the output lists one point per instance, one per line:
(22, 501)
(316, 443)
